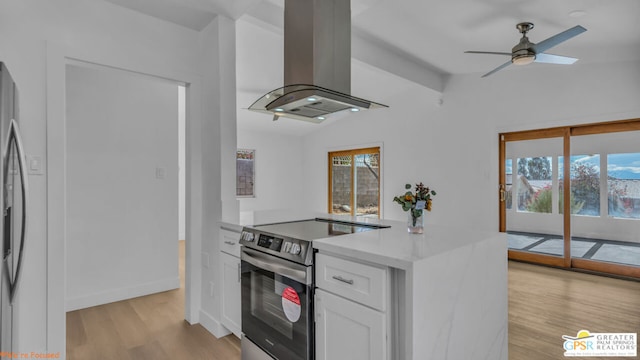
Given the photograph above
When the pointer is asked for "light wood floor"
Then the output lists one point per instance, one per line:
(544, 304)
(147, 327)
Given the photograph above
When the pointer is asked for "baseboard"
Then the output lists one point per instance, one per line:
(212, 325)
(109, 296)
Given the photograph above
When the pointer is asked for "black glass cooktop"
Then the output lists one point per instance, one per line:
(316, 228)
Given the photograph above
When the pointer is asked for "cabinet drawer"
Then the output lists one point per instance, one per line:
(365, 284)
(229, 242)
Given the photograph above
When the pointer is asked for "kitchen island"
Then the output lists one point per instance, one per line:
(443, 296)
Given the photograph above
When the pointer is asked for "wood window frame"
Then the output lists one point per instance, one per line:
(564, 132)
(352, 153)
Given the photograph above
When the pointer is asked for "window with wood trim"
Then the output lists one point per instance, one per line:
(354, 182)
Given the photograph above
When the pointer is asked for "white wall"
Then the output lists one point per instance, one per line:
(454, 148)
(122, 215)
(218, 161)
(406, 133)
(38, 37)
(278, 171)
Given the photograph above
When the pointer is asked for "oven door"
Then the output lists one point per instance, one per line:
(277, 298)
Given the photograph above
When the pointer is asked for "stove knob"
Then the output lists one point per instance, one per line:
(295, 249)
(247, 236)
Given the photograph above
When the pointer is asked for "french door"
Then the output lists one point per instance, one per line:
(595, 224)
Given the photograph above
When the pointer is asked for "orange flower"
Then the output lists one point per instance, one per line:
(429, 205)
(408, 197)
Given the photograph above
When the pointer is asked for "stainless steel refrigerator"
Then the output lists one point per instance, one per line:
(13, 198)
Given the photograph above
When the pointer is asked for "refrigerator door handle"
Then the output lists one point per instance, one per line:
(14, 136)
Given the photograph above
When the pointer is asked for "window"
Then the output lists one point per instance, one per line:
(245, 173)
(623, 185)
(585, 184)
(534, 184)
(508, 197)
(354, 182)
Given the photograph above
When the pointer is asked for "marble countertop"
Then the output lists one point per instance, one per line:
(393, 246)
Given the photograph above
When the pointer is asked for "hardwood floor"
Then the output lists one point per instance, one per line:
(544, 304)
(147, 327)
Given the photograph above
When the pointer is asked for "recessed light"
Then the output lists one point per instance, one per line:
(354, 109)
(311, 99)
(279, 109)
(577, 13)
(320, 118)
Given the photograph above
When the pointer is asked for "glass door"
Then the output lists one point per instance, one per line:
(595, 224)
(605, 183)
(532, 198)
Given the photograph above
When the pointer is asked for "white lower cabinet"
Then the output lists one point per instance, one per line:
(351, 309)
(231, 312)
(348, 330)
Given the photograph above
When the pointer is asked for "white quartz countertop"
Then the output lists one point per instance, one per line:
(396, 248)
(393, 246)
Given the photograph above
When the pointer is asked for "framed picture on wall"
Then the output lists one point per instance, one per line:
(245, 173)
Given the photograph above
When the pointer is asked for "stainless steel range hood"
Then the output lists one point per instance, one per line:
(317, 63)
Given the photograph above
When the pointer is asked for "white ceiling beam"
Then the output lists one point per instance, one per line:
(396, 62)
(381, 56)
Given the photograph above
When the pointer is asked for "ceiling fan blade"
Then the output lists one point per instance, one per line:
(554, 59)
(547, 44)
(498, 68)
(488, 52)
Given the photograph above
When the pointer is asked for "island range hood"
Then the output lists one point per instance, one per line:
(317, 63)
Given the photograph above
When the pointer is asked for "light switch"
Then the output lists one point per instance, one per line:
(161, 173)
(205, 260)
(34, 165)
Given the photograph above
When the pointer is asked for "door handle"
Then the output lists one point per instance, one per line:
(341, 279)
(502, 193)
(273, 264)
(14, 137)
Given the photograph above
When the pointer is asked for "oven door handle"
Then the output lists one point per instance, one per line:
(285, 268)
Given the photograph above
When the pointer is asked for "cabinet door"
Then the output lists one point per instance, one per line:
(231, 311)
(348, 330)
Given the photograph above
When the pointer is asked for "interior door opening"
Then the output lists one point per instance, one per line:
(125, 203)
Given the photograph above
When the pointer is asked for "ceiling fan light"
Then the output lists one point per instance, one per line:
(523, 59)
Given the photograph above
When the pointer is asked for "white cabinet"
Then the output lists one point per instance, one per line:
(230, 276)
(348, 330)
(351, 303)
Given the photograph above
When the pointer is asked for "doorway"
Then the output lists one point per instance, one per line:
(122, 185)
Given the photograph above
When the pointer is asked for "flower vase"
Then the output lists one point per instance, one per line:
(415, 225)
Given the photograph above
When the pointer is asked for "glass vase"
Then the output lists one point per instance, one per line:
(415, 225)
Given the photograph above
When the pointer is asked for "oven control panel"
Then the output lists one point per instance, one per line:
(282, 246)
(270, 242)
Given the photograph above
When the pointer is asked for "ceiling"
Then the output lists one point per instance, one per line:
(421, 40)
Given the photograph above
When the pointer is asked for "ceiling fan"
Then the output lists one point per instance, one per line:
(526, 52)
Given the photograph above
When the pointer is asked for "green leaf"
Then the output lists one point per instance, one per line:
(433, 192)
(407, 186)
(406, 207)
